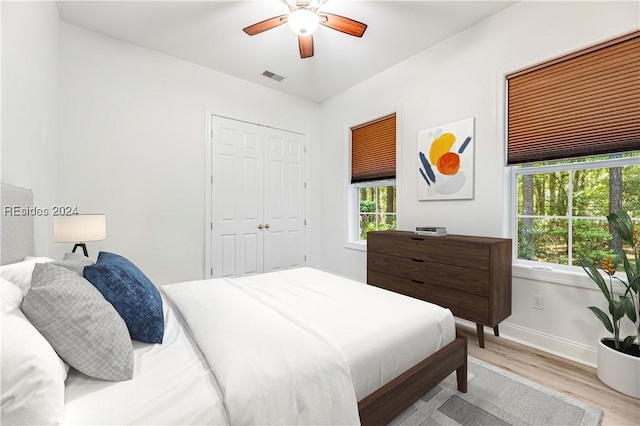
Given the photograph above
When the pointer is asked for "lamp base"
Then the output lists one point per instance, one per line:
(84, 248)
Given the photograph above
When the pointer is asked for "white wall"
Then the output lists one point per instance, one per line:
(30, 105)
(132, 144)
(459, 78)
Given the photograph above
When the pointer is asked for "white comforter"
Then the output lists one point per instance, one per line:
(172, 385)
(272, 367)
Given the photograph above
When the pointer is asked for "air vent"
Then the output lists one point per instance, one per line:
(273, 76)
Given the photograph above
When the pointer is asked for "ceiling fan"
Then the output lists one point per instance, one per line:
(304, 17)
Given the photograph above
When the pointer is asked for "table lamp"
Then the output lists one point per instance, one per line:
(79, 229)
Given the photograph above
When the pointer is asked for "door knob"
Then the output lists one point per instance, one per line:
(260, 226)
(267, 226)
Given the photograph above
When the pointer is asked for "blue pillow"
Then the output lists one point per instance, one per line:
(133, 295)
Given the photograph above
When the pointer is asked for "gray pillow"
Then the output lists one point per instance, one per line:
(75, 262)
(83, 328)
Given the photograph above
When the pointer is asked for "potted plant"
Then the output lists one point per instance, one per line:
(618, 357)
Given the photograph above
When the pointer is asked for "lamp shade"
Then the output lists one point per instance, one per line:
(79, 228)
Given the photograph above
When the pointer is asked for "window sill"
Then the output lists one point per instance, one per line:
(356, 245)
(575, 278)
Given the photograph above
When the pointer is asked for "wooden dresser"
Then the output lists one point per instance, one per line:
(469, 275)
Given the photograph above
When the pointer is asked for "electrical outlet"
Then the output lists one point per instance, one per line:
(538, 302)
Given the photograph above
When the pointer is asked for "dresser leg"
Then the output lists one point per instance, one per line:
(480, 329)
(496, 332)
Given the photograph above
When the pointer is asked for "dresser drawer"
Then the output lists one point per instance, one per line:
(438, 274)
(447, 250)
(463, 305)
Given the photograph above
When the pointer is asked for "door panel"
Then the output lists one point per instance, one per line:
(274, 253)
(275, 192)
(283, 202)
(227, 199)
(252, 249)
(228, 256)
(295, 245)
(251, 194)
(237, 205)
(293, 208)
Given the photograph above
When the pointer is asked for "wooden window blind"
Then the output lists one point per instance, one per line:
(373, 150)
(585, 103)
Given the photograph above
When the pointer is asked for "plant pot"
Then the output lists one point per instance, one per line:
(619, 370)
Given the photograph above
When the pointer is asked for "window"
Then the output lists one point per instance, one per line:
(573, 141)
(373, 172)
(562, 207)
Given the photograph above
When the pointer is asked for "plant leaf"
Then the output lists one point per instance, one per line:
(617, 309)
(628, 341)
(593, 273)
(635, 284)
(632, 276)
(603, 317)
(622, 225)
(629, 309)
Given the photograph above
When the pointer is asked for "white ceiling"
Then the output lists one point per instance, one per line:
(209, 33)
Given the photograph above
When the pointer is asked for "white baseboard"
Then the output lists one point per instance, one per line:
(545, 342)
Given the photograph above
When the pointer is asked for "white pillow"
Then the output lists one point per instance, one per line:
(33, 375)
(11, 296)
(19, 273)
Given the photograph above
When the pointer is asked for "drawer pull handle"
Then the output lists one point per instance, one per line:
(417, 260)
(418, 282)
(417, 239)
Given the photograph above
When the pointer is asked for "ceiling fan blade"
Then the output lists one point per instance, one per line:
(265, 25)
(305, 42)
(342, 24)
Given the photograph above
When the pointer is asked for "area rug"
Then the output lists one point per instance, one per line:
(497, 397)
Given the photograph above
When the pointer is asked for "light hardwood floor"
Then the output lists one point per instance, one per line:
(571, 378)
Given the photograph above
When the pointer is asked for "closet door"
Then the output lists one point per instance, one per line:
(257, 199)
(237, 198)
(283, 200)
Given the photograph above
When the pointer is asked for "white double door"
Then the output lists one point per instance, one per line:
(258, 189)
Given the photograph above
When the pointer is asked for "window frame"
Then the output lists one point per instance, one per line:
(553, 272)
(355, 119)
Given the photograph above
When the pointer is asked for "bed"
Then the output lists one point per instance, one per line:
(299, 346)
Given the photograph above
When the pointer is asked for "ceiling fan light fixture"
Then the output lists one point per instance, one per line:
(303, 22)
(304, 18)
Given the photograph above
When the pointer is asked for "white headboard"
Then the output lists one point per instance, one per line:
(16, 230)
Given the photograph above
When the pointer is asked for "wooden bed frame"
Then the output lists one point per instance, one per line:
(392, 399)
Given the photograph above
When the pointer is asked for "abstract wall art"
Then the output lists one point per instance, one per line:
(445, 161)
